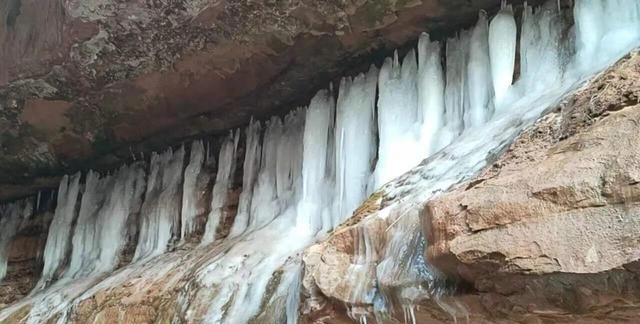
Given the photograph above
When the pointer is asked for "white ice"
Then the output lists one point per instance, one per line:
(303, 173)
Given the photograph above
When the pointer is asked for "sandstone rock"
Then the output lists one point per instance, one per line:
(547, 234)
(99, 82)
(571, 209)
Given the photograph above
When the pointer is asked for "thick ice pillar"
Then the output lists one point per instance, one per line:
(354, 141)
(397, 118)
(224, 181)
(12, 216)
(250, 168)
(503, 34)
(456, 90)
(60, 230)
(431, 106)
(315, 204)
(479, 79)
(189, 189)
(161, 209)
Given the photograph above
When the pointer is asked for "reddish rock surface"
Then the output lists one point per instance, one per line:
(89, 84)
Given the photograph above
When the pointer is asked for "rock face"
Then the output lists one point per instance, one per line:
(92, 84)
(548, 233)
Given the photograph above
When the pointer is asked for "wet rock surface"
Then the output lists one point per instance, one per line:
(93, 84)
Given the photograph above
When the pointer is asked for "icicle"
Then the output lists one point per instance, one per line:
(502, 48)
(58, 240)
(99, 235)
(399, 149)
(264, 204)
(124, 200)
(316, 200)
(12, 215)
(456, 92)
(431, 106)
(224, 178)
(161, 209)
(479, 76)
(354, 141)
(249, 175)
(189, 189)
(540, 49)
(84, 250)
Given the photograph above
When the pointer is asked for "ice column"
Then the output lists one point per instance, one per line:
(539, 48)
(161, 209)
(397, 118)
(122, 202)
(314, 208)
(456, 90)
(84, 250)
(279, 179)
(60, 230)
(431, 104)
(189, 189)
(100, 232)
(479, 76)
(224, 181)
(502, 48)
(355, 141)
(250, 168)
(12, 216)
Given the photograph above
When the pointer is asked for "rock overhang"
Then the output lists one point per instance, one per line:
(91, 85)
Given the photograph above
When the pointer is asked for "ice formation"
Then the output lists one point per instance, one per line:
(224, 176)
(479, 81)
(100, 232)
(304, 174)
(12, 215)
(60, 229)
(189, 189)
(354, 140)
(160, 212)
(502, 51)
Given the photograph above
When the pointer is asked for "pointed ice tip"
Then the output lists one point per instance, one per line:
(425, 37)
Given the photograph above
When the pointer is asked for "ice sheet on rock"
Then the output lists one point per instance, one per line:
(604, 30)
(189, 189)
(160, 212)
(223, 183)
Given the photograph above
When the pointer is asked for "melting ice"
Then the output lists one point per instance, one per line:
(302, 175)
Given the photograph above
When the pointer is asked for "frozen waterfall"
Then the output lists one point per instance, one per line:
(12, 216)
(305, 173)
